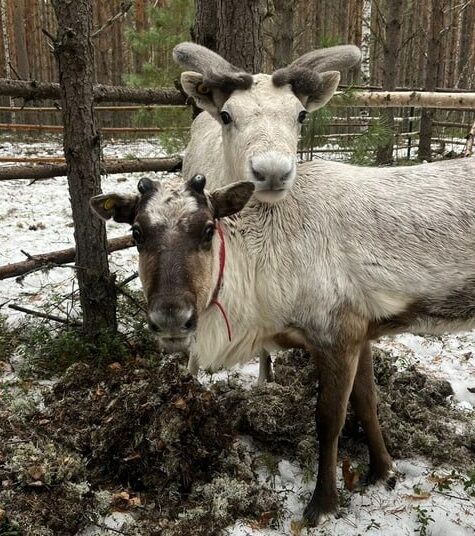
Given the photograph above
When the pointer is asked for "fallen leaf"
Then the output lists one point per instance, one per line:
(115, 366)
(135, 501)
(132, 457)
(296, 527)
(36, 472)
(263, 521)
(418, 497)
(3, 515)
(180, 403)
(350, 476)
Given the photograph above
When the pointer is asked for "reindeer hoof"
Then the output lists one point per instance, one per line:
(385, 474)
(319, 511)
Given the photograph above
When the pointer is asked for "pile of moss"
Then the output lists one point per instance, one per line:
(149, 439)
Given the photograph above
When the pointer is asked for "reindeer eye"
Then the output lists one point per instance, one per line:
(208, 233)
(137, 234)
(225, 118)
(302, 116)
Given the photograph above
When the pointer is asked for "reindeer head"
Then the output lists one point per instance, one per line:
(173, 225)
(261, 115)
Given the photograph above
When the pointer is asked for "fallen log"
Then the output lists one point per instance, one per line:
(108, 167)
(43, 260)
(33, 90)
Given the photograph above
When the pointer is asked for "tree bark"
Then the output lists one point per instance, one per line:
(392, 46)
(75, 55)
(22, 62)
(240, 33)
(139, 56)
(205, 24)
(432, 75)
(283, 33)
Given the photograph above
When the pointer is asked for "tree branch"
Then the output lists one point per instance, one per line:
(124, 7)
(43, 260)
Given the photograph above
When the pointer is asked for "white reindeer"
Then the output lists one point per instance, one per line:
(251, 123)
(350, 254)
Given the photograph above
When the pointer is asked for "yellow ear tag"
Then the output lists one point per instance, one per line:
(202, 89)
(109, 204)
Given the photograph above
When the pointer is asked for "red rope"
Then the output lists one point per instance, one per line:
(222, 264)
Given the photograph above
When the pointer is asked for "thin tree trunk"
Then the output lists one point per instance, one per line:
(75, 56)
(6, 48)
(365, 41)
(240, 32)
(392, 46)
(139, 56)
(432, 72)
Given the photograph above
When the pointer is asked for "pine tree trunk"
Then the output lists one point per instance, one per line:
(432, 74)
(240, 32)
(392, 45)
(75, 57)
(139, 57)
(22, 63)
(205, 25)
(283, 33)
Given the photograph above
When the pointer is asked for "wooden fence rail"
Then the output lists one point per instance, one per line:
(108, 167)
(32, 90)
(107, 130)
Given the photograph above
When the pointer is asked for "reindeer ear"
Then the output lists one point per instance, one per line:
(122, 208)
(231, 199)
(194, 86)
(323, 92)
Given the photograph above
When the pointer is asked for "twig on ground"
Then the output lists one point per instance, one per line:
(450, 495)
(39, 314)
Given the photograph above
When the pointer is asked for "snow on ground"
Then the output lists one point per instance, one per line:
(36, 218)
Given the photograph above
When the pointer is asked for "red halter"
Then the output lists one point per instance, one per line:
(219, 284)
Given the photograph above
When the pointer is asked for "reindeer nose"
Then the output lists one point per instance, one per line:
(172, 319)
(272, 170)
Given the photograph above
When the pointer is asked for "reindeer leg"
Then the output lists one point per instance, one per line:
(193, 366)
(266, 373)
(337, 369)
(364, 401)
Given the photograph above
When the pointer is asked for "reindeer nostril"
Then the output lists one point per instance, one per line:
(259, 176)
(190, 323)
